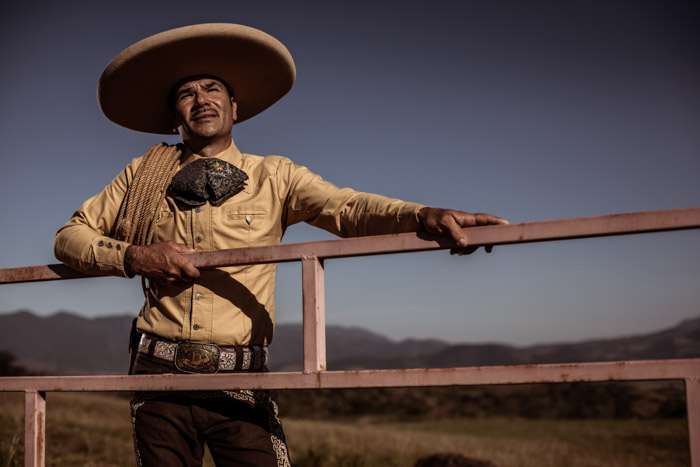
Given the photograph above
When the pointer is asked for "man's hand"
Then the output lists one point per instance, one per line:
(160, 262)
(449, 223)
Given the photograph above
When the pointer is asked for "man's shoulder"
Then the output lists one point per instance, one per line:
(270, 164)
(157, 150)
(270, 159)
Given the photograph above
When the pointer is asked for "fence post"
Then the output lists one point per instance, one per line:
(692, 397)
(313, 284)
(34, 428)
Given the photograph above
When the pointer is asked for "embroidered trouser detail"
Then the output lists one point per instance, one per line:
(276, 433)
(262, 404)
(240, 426)
(134, 407)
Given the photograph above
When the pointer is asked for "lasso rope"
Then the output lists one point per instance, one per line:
(138, 212)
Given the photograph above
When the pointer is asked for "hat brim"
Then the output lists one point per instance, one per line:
(133, 89)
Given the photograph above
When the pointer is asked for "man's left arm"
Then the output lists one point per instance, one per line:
(349, 213)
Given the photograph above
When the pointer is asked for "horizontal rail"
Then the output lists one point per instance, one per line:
(687, 369)
(562, 229)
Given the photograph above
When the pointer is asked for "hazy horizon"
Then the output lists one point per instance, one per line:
(448, 341)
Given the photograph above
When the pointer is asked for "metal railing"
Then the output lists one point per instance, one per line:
(314, 374)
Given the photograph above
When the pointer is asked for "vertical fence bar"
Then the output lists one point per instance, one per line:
(314, 300)
(34, 428)
(692, 397)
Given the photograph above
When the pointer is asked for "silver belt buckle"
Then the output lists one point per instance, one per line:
(197, 357)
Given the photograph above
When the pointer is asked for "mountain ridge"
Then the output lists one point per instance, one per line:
(66, 343)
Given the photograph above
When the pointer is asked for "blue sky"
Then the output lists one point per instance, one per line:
(528, 110)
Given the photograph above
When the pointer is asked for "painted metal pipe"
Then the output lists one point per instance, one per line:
(562, 229)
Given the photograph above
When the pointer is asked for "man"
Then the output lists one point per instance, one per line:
(203, 195)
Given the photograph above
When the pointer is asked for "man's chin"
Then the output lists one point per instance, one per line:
(204, 130)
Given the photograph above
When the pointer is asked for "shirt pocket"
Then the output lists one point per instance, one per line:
(165, 228)
(247, 215)
(243, 226)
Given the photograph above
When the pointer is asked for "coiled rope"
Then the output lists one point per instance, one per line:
(137, 215)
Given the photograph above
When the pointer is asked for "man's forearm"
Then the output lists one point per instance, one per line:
(82, 248)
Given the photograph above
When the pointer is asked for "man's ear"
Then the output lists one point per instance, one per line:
(234, 109)
(173, 123)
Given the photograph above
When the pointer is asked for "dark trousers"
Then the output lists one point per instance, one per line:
(241, 428)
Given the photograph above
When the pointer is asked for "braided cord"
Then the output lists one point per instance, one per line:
(138, 213)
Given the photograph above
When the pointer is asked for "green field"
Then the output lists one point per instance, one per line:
(93, 429)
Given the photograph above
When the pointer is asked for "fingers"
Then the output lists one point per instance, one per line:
(161, 262)
(177, 268)
(472, 220)
(454, 230)
(464, 251)
(189, 271)
(469, 250)
(186, 270)
(490, 219)
(450, 223)
(444, 222)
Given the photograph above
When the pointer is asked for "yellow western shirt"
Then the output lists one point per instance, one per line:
(232, 305)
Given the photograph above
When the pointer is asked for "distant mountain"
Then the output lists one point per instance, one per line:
(680, 341)
(347, 348)
(65, 343)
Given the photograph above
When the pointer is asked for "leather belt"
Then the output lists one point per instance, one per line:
(197, 357)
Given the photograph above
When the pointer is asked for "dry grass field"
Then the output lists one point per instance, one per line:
(505, 442)
(93, 429)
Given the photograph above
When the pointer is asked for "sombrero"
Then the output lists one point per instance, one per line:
(133, 89)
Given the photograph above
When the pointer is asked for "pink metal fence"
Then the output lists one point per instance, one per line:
(314, 375)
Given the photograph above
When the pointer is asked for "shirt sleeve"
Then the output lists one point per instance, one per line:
(85, 242)
(343, 211)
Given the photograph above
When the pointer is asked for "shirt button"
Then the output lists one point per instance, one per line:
(198, 296)
(195, 327)
(198, 239)
(100, 243)
(109, 244)
(118, 247)
(198, 209)
(249, 219)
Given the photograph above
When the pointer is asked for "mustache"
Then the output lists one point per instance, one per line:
(204, 109)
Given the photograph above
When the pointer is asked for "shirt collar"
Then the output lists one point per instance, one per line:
(230, 154)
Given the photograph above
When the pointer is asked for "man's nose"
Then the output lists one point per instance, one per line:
(200, 98)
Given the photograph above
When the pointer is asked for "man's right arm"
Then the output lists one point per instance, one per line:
(84, 243)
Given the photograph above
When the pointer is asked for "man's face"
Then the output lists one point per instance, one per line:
(203, 110)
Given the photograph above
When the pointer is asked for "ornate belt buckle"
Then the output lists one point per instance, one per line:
(197, 357)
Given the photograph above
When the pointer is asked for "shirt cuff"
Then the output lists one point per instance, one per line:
(411, 222)
(109, 255)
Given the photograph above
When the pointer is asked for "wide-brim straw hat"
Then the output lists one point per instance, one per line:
(133, 89)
